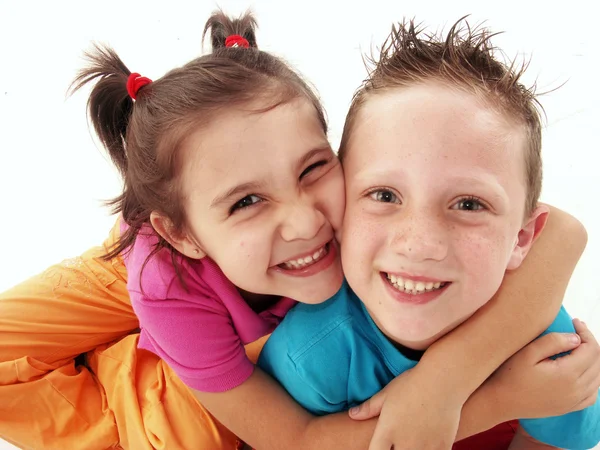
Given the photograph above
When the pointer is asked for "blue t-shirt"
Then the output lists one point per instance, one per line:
(332, 356)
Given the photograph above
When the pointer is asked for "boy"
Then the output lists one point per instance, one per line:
(441, 154)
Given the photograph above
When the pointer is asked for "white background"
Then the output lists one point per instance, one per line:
(53, 176)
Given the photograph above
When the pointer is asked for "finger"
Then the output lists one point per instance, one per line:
(584, 386)
(379, 441)
(587, 402)
(585, 357)
(591, 376)
(589, 393)
(368, 409)
(591, 379)
(584, 332)
(552, 344)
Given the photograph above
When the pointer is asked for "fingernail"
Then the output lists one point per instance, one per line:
(354, 411)
(574, 338)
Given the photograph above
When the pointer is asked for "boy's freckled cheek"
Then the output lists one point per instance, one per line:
(480, 247)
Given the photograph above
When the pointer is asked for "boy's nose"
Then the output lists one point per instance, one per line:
(420, 237)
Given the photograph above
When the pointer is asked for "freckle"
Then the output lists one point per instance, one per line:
(409, 249)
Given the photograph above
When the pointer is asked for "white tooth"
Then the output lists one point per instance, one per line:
(429, 286)
(436, 285)
(294, 263)
(409, 285)
(420, 286)
(393, 278)
(316, 254)
(308, 259)
(400, 282)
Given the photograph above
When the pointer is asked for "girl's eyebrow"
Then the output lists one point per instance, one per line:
(309, 155)
(256, 186)
(235, 191)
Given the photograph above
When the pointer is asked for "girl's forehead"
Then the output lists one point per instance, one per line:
(245, 146)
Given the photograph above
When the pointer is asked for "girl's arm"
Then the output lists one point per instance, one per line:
(516, 391)
(261, 412)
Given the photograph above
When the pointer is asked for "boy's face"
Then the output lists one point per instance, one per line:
(435, 194)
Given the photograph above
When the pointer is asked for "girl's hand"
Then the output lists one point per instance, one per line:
(530, 385)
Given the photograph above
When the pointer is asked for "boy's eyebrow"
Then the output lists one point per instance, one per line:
(487, 182)
(235, 191)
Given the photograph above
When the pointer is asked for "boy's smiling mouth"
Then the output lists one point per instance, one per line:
(412, 286)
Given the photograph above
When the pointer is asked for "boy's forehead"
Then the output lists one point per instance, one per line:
(436, 120)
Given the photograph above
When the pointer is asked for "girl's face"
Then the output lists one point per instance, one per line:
(263, 195)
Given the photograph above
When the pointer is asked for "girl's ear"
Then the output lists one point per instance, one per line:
(180, 241)
(527, 236)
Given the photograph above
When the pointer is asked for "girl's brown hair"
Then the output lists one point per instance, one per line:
(464, 58)
(143, 137)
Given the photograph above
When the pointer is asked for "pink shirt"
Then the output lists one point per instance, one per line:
(200, 332)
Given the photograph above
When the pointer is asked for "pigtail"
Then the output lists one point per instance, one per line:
(221, 26)
(109, 105)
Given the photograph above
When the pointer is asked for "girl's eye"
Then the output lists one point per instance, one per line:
(312, 167)
(247, 201)
(384, 196)
(469, 204)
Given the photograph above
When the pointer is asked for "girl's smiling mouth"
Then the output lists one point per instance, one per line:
(310, 263)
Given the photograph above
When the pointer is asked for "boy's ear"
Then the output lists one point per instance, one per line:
(527, 236)
(180, 241)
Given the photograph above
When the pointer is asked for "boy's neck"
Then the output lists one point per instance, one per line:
(409, 353)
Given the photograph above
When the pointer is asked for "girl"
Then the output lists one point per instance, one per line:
(231, 200)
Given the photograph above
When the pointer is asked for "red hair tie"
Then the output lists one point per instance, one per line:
(235, 40)
(135, 82)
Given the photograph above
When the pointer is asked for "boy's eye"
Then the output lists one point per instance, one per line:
(247, 201)
(469, 204)
(312, 167)
(384, 196)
